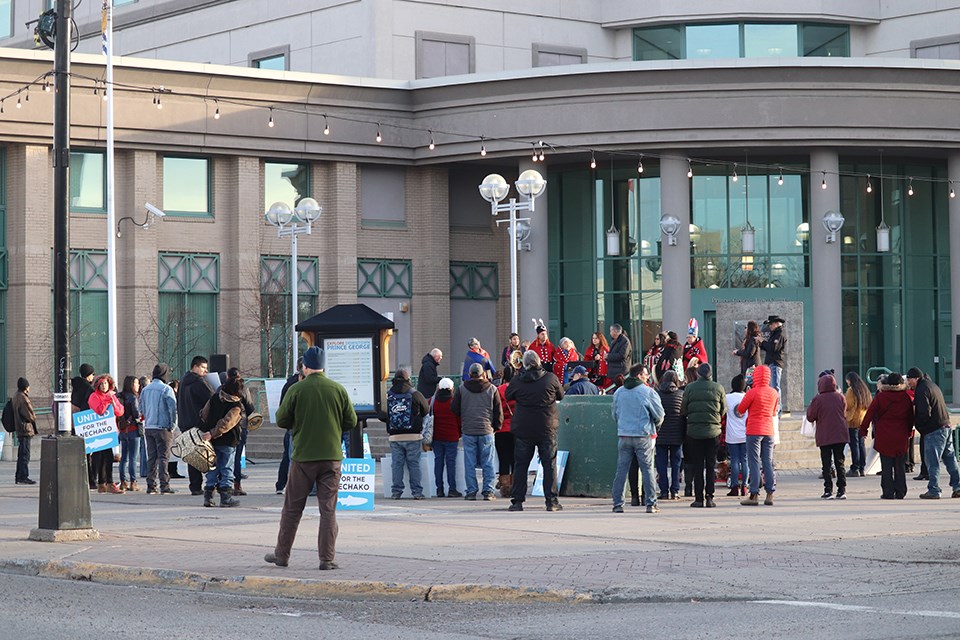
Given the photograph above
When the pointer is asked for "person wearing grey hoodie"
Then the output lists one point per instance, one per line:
(477, 403)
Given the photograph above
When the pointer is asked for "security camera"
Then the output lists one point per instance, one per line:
(154, 210)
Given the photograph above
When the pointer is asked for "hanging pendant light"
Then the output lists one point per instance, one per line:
(747, 231)
(883, 231)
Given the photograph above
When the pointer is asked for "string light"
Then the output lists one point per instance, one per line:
(910, 188)
(780, 179)
(541, 157)
(432, 144)
(483, 148)
(19, 104)
(216, 113)
(869, 184)
(689, 169)
(379, 135)
(270, 122)
(326, 125)
(823, 182)
(46, 86)
(593, 161)
(534, 157)
(953, 194)
(27, 97)
(1, 106)
(640, 164)
(735, 176)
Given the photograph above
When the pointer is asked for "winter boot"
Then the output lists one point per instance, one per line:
(237, 489)
(208, 498)
(751, 501)
(133, 486)
(101, 488)
(227, 499)
(506, 485)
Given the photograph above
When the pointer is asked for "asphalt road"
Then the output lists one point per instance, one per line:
(38, 608)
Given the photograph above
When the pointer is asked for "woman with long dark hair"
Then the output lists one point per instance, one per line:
(130, 424)
(858, 399)
(597, 352)
(749, 351)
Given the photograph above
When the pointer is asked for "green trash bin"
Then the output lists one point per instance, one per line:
(589, 433)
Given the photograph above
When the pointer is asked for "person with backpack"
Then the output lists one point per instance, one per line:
(25, 426)
(406, 408)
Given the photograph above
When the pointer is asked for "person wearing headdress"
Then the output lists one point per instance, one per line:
(543, 347)
(694, 351)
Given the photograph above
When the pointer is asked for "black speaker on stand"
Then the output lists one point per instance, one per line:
(219, 362)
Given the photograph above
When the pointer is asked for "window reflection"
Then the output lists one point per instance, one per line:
(713, 41)
(285, 182)
(186, 185)
(769, 40)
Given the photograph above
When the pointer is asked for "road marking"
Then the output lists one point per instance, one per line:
(861, 608)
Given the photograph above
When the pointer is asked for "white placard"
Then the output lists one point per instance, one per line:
(273, 388)
(349, 361)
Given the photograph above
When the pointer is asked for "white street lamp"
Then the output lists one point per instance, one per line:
(293, 222)
(495, 188)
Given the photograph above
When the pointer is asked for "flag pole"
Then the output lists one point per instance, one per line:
(107, 46)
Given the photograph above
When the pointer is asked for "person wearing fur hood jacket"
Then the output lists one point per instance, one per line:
(220, 421)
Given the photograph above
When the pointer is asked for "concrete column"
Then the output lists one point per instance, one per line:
(675, 200)
(337, 189)
(825, 264)
(953, 171)
(533, 278)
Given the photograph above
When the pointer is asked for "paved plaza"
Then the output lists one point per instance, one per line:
(803, 548)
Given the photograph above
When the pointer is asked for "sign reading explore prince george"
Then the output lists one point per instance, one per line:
(98, 432)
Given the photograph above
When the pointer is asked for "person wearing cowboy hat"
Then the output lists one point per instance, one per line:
(774, 348)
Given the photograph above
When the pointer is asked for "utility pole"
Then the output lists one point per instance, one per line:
(64, 497)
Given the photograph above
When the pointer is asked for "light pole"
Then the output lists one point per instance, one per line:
(293, 222)
(494, 188)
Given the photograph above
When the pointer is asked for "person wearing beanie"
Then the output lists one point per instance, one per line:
(704, 404)
(891, 414)
(81, 388)
(195, 392)
(158, 403)
(932, 421)
(25, 421)
(694, 351)
(162, 371)
(446, 437)
(406, 408)
(477, 403)
(317, 411)
(534, 424)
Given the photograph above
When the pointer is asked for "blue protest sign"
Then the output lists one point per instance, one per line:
(98, 432)
(356, 485)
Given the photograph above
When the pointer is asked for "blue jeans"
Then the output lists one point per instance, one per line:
(669, 455)
(406, 453)
(445, 455)
(858, 452)
(760, 450)
(738, 464)
(641, 448)
(478, 452)
(775, 374)
(284, 471)
(221, 476)
(129, 454)
(937, 447)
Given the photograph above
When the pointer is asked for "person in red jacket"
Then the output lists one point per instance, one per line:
(564, 353)
(543, 348)
(597, 353)
(103, 397)
(827, 410)
(891, 413)
(760, 405)
(694, 351)
(446, 438)
(503, 439)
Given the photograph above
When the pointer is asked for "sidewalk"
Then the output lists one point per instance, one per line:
(449, 549)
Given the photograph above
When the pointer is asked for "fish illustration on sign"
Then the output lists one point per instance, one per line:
(99, 443)
(352, 501)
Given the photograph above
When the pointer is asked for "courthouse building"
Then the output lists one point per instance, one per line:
(702, 118)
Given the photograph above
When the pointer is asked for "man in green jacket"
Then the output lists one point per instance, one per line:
(704, 404)
(317, 411)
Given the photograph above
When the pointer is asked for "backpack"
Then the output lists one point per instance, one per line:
(9, 424)
(399, 410)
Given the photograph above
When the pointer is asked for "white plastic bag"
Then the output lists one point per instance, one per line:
(808, 429)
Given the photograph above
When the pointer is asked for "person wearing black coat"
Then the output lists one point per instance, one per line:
(428, 379)
(670, 437)
(82, 389)
(194, 393)
(620, 357)
(749, 351)
(534, 424)
(932, 420)
(283, 473)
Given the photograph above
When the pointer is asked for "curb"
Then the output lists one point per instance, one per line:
(294, 588)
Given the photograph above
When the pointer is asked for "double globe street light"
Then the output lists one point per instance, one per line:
(494, 189)
(294, 222)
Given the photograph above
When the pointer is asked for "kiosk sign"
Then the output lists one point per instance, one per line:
(98, 432)
(349, 361)
(356, 485)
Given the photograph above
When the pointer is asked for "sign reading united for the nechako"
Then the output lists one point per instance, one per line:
(356, 485)
(98, 432)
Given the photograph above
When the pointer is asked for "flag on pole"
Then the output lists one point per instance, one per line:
(104, 23)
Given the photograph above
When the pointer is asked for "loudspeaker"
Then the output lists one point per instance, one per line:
(219, 362)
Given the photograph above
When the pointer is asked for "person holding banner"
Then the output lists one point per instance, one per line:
(103, 397)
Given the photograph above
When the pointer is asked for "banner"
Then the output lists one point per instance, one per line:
(356, 485)
(98, 432)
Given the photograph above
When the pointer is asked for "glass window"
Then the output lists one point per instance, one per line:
(277, 63)
(826, 40)
(769, 40)
(88, 181)
(186, 186)
(285, 182)
(713, 41)
(120, 3)
(658, 43)
(6, 18)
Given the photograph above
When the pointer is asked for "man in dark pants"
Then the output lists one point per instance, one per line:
(82, 388)
(25, 421)
(317, 411)
(194, 393)
(932, 420)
